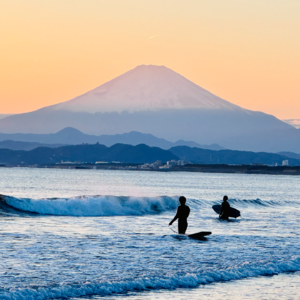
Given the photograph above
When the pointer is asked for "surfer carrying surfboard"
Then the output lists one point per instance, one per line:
(182, 214)
(225, 209)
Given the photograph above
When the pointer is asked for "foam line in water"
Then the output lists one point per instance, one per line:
(259, 202)
(142, 284)
(194, 203)
(94, 205)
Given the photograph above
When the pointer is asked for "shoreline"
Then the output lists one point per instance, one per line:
(201, 168)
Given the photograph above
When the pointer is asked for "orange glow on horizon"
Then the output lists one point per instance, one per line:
(246, 52)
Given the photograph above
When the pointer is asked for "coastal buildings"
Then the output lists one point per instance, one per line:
(285, 162)
(158, 165)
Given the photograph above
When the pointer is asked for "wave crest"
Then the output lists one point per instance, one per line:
(259, 202)
(94, 205)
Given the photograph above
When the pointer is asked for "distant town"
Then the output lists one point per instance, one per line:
(174, 166)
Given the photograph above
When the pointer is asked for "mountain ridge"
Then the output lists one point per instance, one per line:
(86, 153)
(205, 156)
(137, 154)
(74, 136)
(293, 122)
(2, 116)
(17, 145)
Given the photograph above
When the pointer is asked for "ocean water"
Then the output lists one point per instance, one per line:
(94, 234)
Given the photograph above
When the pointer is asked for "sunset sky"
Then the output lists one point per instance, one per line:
(247, 52)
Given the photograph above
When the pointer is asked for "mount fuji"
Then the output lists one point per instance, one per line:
(146, 88)
(158, 101)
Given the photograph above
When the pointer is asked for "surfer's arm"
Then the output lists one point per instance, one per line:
(175, 218)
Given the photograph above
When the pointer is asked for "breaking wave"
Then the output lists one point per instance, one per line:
(92, 205)
(86, 206)
(143, 284)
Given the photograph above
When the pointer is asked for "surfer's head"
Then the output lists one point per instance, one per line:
(225, 198)
(182, 200)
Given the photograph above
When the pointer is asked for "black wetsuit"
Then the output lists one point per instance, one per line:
(182, 214)
(225, 208)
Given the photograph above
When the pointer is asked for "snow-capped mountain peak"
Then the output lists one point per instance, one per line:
(146, 87)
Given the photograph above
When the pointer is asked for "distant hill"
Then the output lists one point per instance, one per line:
(86, 153)
(72, 136)
(15, 145)
(290, 154)
(137, 154)
(202, 156)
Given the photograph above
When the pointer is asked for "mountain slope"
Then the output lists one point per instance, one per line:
(86, 153)
(290, 154)
(2, 116)
(203, 156)
(137, 154)
(16, 145)
(271, 140)
(158, 101)
(73, 136)
(293, 122)
(145, 88)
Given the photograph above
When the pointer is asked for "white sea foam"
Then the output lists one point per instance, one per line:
(95, 205)
(142, 284)
(120, 206)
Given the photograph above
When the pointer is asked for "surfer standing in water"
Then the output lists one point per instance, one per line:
(182, 214)
(225, 208)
